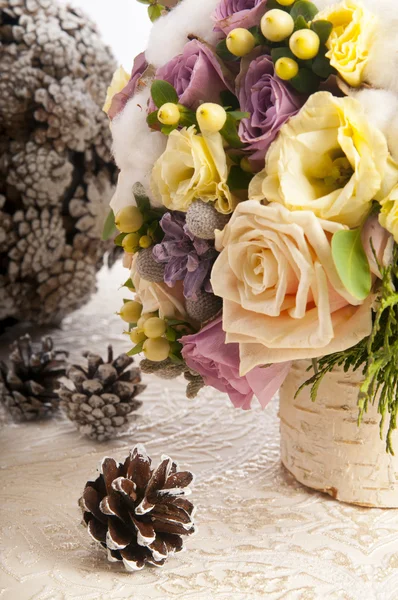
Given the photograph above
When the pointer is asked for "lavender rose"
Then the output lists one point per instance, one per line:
(197, 75)
(187, 258)
(207, 353)
(238, 13)
(120, 100)
(270, 103)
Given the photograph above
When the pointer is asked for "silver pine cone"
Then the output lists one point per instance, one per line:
(56, 171)
(203, 219)
(204, 308)
(100, 397)
(148, 268)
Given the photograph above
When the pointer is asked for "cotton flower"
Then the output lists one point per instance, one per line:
(135, 160)
(328, 159)
(282, 296)
(387, 119)
(351, 39)
(193, 166)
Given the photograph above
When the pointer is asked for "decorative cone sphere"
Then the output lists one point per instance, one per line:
(56, 172)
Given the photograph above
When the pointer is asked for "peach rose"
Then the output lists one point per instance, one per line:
(283, 298)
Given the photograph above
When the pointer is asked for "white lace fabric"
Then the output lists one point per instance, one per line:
(260, 534)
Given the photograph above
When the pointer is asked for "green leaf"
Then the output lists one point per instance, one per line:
(238, 115)
(239, 179)
(229, 99)
(155, 11)
(322, 67)
(351, 262)
(259, 39)
(305, 82)
(300, 23)
(188, 117)
(305, 9)
(277, 53)
(141, 198)
(136, 350)
(167, 129)
(109, 226)
(119, 239)
(223, 52)
(153, 121)
(175, 359)
(171, 335)
(230, 133)
(163, 92)
(323, 29)
(129, 284)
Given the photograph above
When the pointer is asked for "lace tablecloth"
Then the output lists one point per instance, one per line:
(261, 535)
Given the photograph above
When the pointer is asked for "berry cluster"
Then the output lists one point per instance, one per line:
(138, 226)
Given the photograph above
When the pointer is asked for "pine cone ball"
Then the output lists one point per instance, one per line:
(28, 386)
(57, 175)
(137, 513)
(101, 397)
(204, 308)
(203, 219)
(148, 268)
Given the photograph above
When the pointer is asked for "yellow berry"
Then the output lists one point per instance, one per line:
(143, 319)
(245, 165)
(137, 336)
(240, 41)
(130, 242)
(276, 25)
(211, 117)
(156, 349)
(154, 327)
(145, 241)
(304, 44)
(131, 311)
(168, 114)
(286, 68)
(129, 219)
(286, 2)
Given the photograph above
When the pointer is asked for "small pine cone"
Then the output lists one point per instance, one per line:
(204, 308)
(27, 388)
(203, 219)
(165, 369)
(137, 513)
(101, 397)
(148, 268)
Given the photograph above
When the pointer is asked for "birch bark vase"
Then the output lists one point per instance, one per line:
(323, 447)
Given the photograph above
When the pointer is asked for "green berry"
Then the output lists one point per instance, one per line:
(131, 242)
(143, 318)
(137, 336)
(245, 165)
(286, 68)
(129, 219)
(304, 44)
(154, 327)
(240, 41)
(145, 241)
(211, 117)
(276, 25)
(156, 349)
(131, 311)
(169, 114)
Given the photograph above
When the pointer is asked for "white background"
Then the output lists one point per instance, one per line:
(124, 25)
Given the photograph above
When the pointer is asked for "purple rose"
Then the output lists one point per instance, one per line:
(270, 103)
(197, 75)
(207, 353)
(187, 258)
(120, 100)
(230, 14)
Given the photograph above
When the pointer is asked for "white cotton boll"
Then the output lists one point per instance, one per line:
(381, 108)
(136, 149)
(169, 34)
(382, 68)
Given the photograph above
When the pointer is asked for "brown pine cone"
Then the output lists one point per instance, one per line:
(137, 513)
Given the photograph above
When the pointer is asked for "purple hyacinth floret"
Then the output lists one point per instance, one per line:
(187, 258)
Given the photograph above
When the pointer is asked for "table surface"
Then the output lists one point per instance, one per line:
(260, 534)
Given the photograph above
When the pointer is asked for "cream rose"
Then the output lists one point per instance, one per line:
(192, 166)
(155, 297)
(328, 159)
(282, 297)
(351, 39)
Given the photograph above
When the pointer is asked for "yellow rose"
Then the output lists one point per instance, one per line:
(192, 166)
(350, 40)
(328, 159)
(388, 217)
(282, 296)
(119, 81)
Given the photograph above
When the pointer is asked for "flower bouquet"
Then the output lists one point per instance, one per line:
(257, 205)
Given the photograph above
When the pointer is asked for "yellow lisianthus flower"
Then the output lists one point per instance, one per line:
(388, 216)
(193, 166)
(328, 159)
(119, 81)
(350, 40)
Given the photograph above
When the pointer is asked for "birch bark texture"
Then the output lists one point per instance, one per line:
(325, 449)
